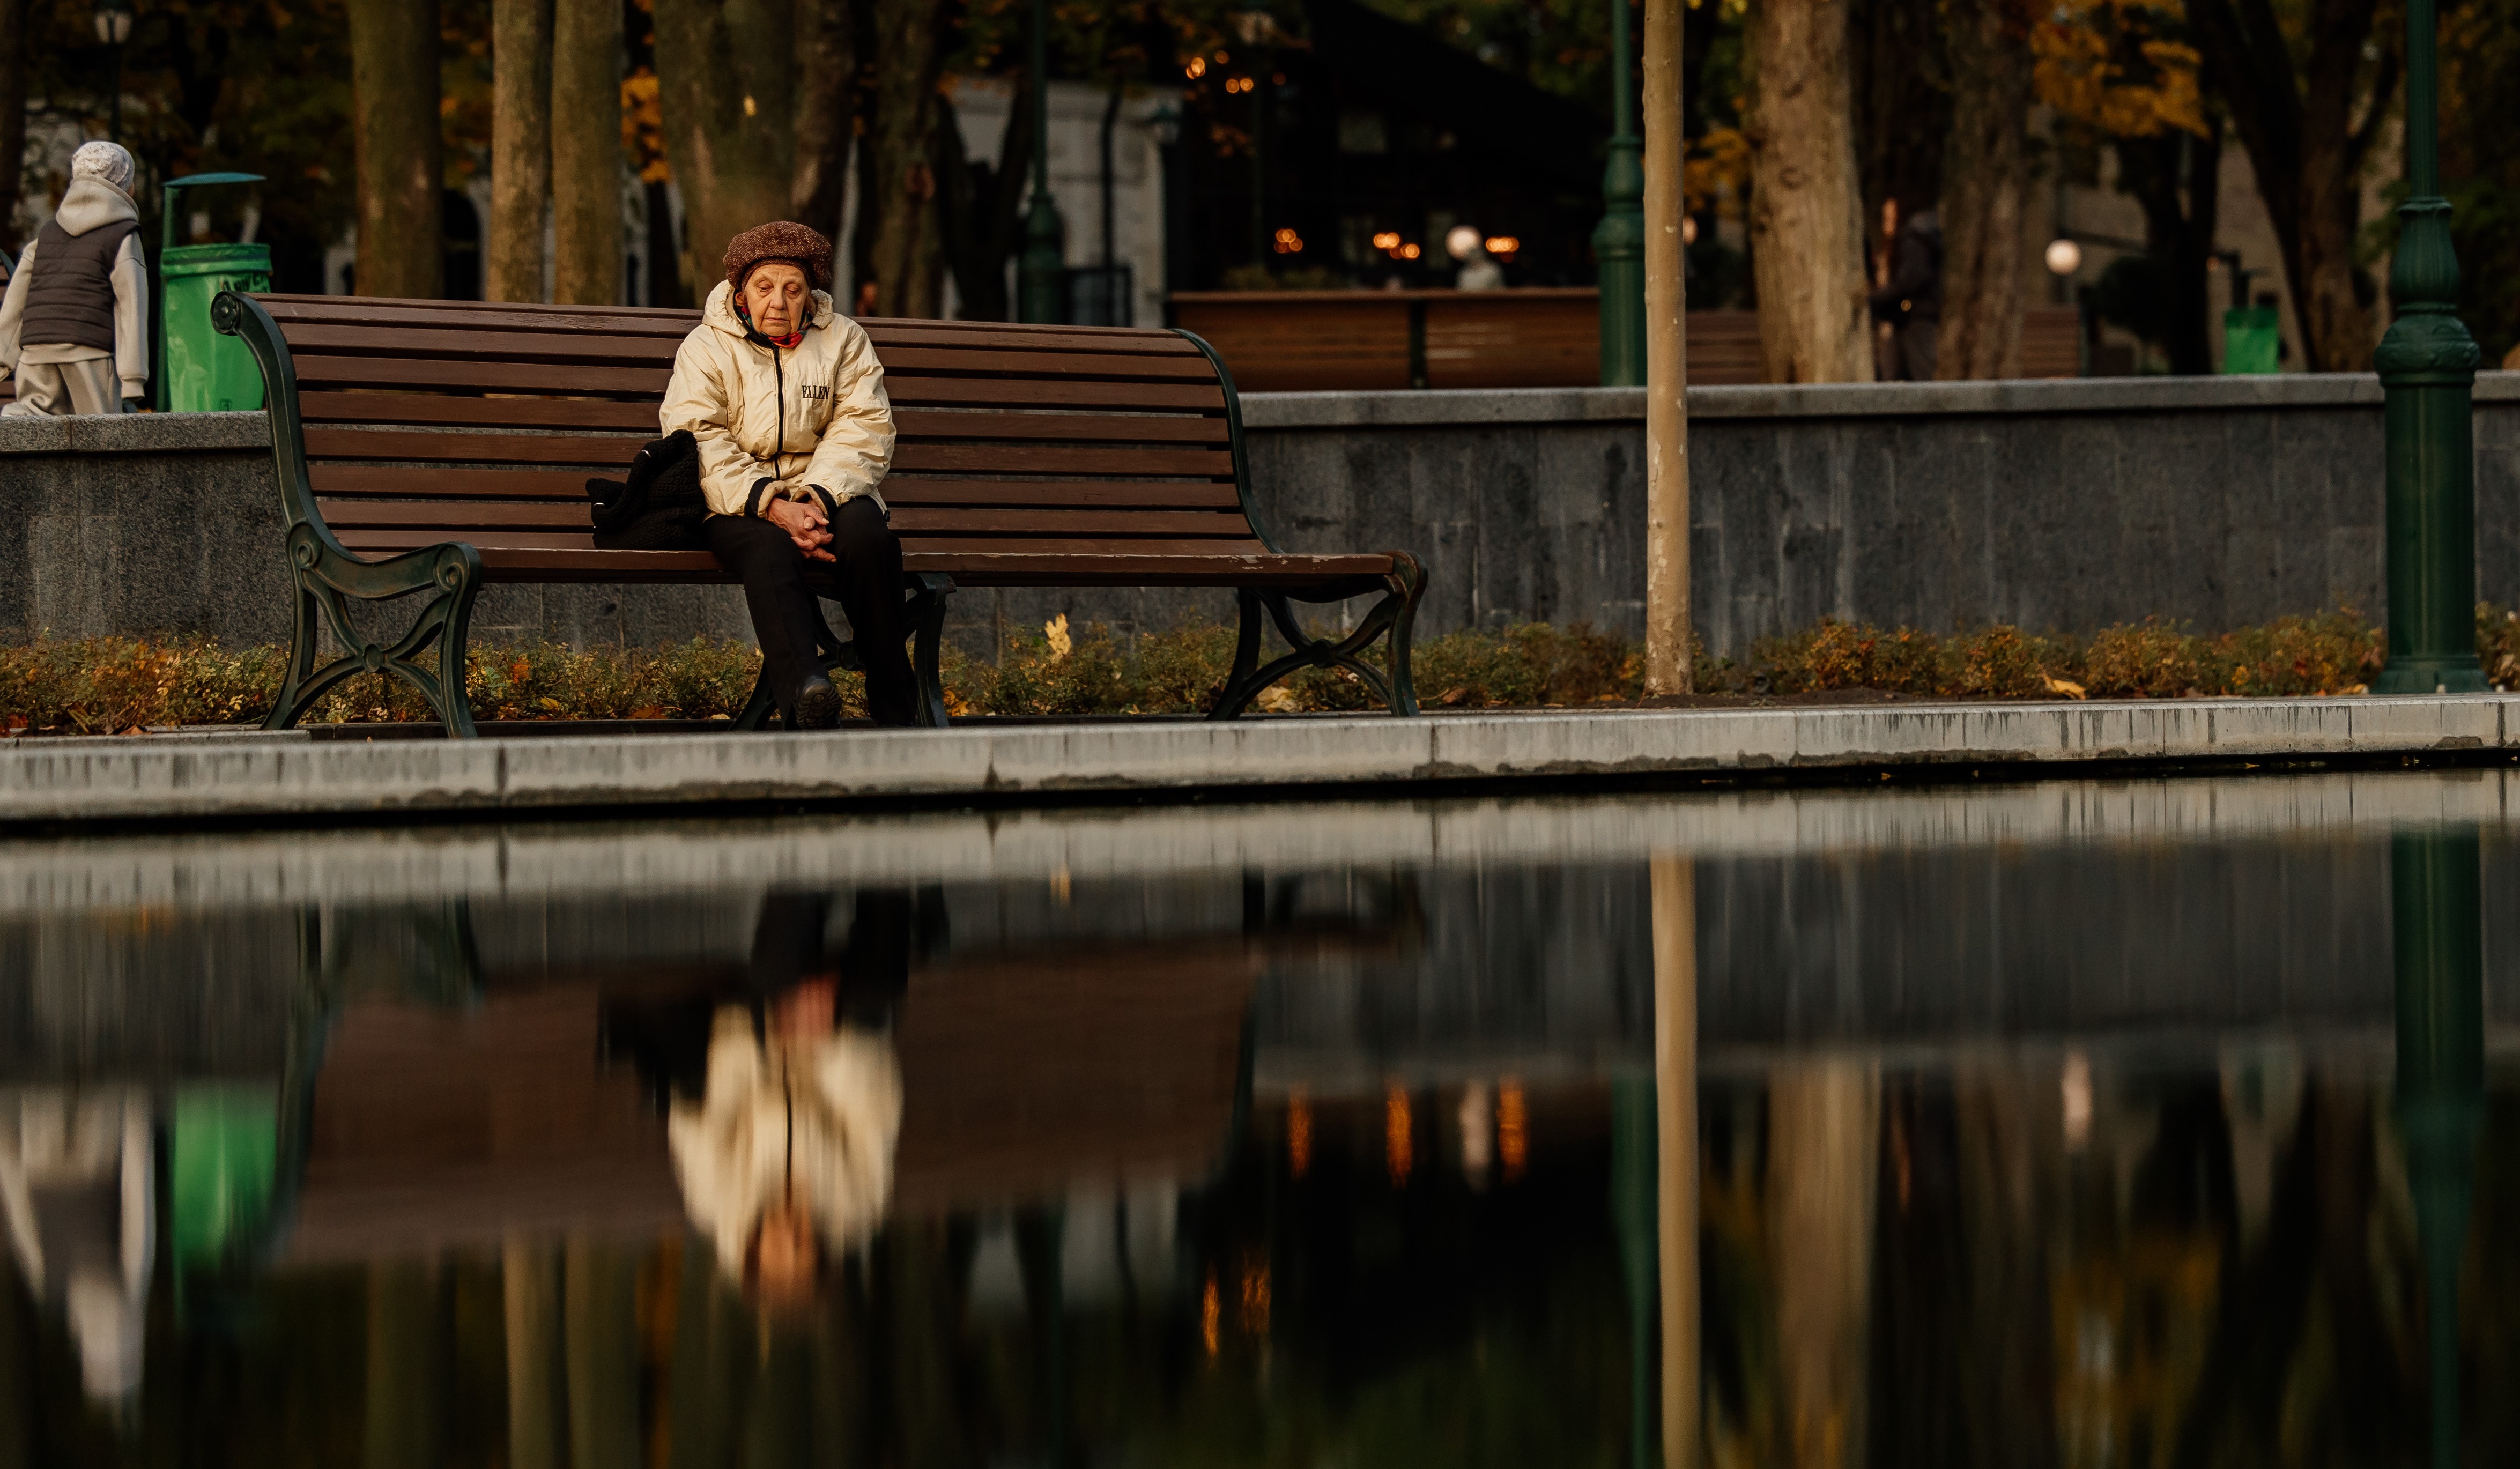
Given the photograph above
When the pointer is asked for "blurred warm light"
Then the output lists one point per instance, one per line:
(1299, 1136)
(2065, 257)
(1239, 83)
(1255, 1300)
(1288, 243)
(1502, 244)
(1222, 57)
(1513, 1120)
(1398, 1154)
(1208, 1313)
(1409, 253)
(1688, 228)
(1197, 68)
(2076, 1087)
(1387, 240)
(1478, 1132)
(1460, 241)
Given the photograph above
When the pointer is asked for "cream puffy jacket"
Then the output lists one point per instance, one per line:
(780, 422)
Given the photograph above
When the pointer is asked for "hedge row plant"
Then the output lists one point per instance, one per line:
(108, 685)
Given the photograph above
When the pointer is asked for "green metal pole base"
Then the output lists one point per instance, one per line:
(1042, 278)
(2428, 366)
(1619, 240)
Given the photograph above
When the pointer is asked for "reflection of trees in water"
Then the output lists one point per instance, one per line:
(2031, 1304)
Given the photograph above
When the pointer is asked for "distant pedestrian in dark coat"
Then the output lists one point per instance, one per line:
(1910, 301)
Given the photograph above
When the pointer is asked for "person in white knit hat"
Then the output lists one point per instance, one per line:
(74, 324)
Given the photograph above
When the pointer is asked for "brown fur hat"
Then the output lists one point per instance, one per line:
(782, 240)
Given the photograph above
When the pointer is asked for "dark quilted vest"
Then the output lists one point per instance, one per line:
(71, 299)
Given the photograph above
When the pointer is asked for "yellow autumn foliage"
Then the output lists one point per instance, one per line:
(2105, 63)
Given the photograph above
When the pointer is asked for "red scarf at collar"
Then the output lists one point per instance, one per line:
(784, 343)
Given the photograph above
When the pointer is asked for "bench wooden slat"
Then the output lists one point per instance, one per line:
(613, 450)
(1032, 569)
(1108, 427)
(1152, 494)
(454, 519)
(557, 351)
(889, 336)
(425, 483)
(388, 320)
(417, 409)
(995, 520)
(1086, 545)
(1053, 366)
(918, 390)
(1035, 459)
(474, 376)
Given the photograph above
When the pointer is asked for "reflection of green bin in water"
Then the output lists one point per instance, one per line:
(199, 371)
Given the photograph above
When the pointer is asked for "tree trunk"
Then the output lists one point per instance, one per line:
(521, 149)
(586, 153)
(981, 205)
(395, 131)
(906, 257)
(2179, 232)
(725, 78)
(2307, 158)
(1986, 189)
(1823, 1138)
(1806, 241)
(826, 94)
(12, 119)
(1902, 103)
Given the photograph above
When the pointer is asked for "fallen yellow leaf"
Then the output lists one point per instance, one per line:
(2065, 687)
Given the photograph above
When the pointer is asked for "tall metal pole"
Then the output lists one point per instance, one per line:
(1668, 668)
(2428, 366)
(1042, 291)
(1619, 240)
(2437, 908)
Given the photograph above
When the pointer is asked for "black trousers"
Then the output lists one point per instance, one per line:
(784, 590)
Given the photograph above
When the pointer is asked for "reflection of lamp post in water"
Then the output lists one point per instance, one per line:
(2436, 908)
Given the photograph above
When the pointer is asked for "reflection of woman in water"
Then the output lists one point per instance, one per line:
(76, 1205)
(795, 1130)
(782, 1097)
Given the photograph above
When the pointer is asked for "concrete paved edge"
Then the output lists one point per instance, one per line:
(247, 779)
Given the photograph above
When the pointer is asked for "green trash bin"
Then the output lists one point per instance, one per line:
(2251, 338)
(205, 371)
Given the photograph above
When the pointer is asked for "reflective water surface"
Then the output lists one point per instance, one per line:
(2123, 1124)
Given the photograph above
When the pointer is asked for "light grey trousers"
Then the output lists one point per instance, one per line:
(52, 388)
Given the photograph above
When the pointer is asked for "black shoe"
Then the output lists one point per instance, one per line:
(817, 706)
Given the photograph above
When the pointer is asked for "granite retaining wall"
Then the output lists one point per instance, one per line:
(2058, 505)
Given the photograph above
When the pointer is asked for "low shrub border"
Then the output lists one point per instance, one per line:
(105, 685)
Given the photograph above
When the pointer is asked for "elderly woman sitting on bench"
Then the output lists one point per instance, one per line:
(784, 400)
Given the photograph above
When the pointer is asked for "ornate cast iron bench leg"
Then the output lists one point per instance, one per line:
(327, 582)
(1396, 616)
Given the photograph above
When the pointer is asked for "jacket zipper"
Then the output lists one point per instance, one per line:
(779, 380)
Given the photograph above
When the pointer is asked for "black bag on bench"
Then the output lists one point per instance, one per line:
(659, 508)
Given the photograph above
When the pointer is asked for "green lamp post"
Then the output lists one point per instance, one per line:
(1041, 288)
(2427, 374)
(1619, 240)
(2437, 908)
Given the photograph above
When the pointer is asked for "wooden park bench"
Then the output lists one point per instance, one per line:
(435, 447)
